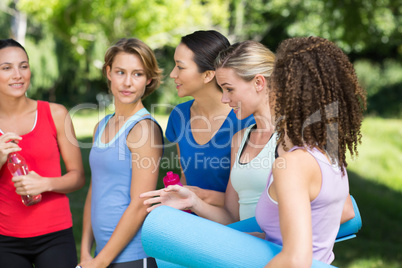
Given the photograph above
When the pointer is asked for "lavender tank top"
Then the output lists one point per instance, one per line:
(326, 209)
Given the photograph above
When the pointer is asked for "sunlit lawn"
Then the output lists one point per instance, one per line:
(375, 182)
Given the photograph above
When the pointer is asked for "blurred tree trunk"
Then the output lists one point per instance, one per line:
(19, 24)
(237, 19)
(18, 21)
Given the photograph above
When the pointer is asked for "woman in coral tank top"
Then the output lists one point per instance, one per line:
(40, 234)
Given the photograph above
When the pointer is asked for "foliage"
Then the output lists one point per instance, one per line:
(356, 26)
(5, 23)
(157, 22)
(43, 66)
(67, 38)
(82, 30)
(383, 83)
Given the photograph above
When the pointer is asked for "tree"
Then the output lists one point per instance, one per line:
(19, 19)
(83, 29)
(360, 28)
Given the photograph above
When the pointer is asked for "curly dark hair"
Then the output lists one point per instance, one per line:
(318, 100)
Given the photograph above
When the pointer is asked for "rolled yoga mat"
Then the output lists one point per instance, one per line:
(349, 229)
(181, 238)
(346, 231)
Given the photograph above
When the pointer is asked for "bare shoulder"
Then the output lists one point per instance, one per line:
(296, 155)
(298, 162)
(58, 111)
(145, 130)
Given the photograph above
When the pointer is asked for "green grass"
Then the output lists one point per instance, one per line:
(375, 183)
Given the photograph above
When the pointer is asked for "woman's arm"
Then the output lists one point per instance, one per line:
(182, 198)
(74, 178)
(182, 176)
(145, 140)
(231, 196)
(348, 212)
(294, 187)
(211, 197)
(87, 238)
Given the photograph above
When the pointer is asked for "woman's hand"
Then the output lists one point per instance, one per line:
(211, 197)
(30, 184)
(197, 190)
(174, 196)
(90, 263)
(257, 234)
(7, 147)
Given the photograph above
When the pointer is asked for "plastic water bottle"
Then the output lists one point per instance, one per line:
(17, 166)
(172, 179)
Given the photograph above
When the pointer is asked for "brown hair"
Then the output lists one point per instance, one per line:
(318, 100)
(136, 46)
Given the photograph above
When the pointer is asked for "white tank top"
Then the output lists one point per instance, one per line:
(250, 179)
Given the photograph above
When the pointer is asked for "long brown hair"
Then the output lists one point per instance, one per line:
(318, 100)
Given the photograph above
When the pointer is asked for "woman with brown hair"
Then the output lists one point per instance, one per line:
(113, 213)
(318, 105)
(39, 235)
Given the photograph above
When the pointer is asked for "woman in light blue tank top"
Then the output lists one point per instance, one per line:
(124, 161)
(249, 178)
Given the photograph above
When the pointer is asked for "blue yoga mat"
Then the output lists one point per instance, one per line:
(177, 238)
(346, 231)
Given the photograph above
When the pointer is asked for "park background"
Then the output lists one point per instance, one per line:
(66, 41)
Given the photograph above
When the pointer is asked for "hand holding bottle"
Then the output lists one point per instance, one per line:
(172, 179)
(7, 147)
(18, 167)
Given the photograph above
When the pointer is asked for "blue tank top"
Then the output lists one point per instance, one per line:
(111, 181)
(208, 165)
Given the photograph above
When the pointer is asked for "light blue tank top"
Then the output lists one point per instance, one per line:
(111, 181)
(250, 179)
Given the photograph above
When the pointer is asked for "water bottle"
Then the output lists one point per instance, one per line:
(172, 179)
(17, 166)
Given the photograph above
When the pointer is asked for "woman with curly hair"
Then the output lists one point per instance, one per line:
(318, 105)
